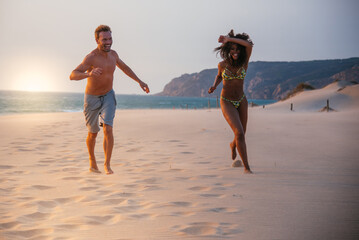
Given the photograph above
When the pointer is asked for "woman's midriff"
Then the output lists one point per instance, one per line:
(232, 90)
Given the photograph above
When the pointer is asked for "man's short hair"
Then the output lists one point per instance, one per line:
(101, 28)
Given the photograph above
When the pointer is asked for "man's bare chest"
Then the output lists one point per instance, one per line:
(108, 65)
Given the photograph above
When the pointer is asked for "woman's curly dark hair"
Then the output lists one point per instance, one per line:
(224, 49)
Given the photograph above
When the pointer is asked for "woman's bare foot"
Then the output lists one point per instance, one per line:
(108, 169)
(232, 145)
(248, 171)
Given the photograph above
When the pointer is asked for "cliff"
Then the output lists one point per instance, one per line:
(269, 80)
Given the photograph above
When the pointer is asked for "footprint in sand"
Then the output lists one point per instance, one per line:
(9, 225)
(127, 209)
(141, 216)
(199, 188)
(41, 187)
(114, 201)
(29, 234)
(203, 162)
(89, 188)
(46, 204)
(175, 169)
(187, 152)
(130, 185)
(70, 227)
(123, 194)
(37, 216)
(71, 178)
(23, 149)
(176, 204)
(209, 176)
(181, 145)
(68, 200)
(130, 206)
(100, 220)
(48, 161)
(207, 229)
(70, 169)
(6, 191)
(104, 192)
(225, 184)
(183, 214)
(149, 188)
(186, 178)
(223, 210)
(211, 195)
(199, 230)
(134, 149)
(5, 167)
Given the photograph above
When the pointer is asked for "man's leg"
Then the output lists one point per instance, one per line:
(108, 142)
(91, 141)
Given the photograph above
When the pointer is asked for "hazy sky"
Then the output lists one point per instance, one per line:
(42, 41)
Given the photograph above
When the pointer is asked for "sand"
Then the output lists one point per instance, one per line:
(173, 177)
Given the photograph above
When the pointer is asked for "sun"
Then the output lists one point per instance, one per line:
(33, 82)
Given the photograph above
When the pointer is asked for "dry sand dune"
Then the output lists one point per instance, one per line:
(342, 96)
(173, 176)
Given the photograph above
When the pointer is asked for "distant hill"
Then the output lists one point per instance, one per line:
(269, 80)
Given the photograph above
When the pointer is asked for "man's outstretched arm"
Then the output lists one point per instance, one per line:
(128, 71)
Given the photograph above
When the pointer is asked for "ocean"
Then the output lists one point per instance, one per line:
(13, 102)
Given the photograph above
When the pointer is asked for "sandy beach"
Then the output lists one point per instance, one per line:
(173, 176)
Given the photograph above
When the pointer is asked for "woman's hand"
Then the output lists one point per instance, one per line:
(222, 39)
(211, 89)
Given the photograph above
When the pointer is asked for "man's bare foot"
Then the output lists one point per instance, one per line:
(93, 165)
(94, 170)
(233, 149)
(108, 169)
(248, 171)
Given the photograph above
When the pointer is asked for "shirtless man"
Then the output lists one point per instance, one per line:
(98, 67)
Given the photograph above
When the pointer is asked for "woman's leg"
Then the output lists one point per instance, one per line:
(243, 114)
(231, 114)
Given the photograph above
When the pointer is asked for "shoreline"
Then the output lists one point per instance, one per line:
(17, 103)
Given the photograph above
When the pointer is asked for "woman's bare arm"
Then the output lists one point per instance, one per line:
(244, 43)
(217, 80)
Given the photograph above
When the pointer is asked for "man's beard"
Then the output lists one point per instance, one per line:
(105, 49)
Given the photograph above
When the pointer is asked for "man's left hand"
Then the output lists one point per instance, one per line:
(144, 87)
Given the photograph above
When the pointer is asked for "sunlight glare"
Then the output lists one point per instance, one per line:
(33, 82)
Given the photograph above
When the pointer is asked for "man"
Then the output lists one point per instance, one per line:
(98, 67)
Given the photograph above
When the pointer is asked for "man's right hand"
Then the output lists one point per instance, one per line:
(95, 72)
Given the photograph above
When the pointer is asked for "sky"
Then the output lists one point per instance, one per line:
(42, 41)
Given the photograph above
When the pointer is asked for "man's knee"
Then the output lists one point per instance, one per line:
(91, 135)
(107, 129)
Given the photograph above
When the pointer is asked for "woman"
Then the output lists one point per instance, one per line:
(235, 52)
